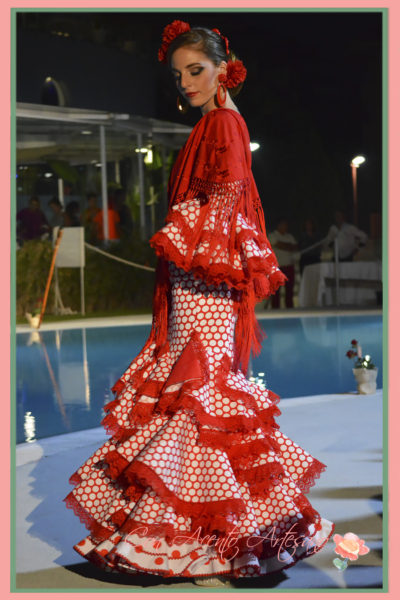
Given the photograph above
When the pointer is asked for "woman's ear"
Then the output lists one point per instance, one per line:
(222, 67)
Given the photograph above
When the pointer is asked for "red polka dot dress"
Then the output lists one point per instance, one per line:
(196, 478)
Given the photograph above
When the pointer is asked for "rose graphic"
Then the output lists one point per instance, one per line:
(349, 546)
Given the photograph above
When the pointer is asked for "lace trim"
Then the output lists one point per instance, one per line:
(100, 560)
(75, 479)
(98, 531)
(262, 478)
(259, 270)
(209, 516)
(169, 402)
(228, 544)
(307, 480)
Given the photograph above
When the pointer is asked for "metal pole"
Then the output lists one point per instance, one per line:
(164, 177)
(336, 247)
(85, 368)
(141, 187)
(56, 291)
(82, 291)
(355, 200)
(82, 261)
(117, 172)
(104, 198)
(61, 191)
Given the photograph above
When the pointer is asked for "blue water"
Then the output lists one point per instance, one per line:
(64, 377)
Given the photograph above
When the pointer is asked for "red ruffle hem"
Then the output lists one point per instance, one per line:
(197, 479)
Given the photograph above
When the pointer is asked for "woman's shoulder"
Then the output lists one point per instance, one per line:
(224, 123)
(224, 115)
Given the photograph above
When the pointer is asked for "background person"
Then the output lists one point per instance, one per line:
(284, 246)
(31, 222)
(349, 237)
(113, 222)
(89, 219)
(72, 218)
(57, 218)
(307, 238)
(125, 224)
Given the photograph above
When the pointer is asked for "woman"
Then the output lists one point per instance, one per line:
(196, 471)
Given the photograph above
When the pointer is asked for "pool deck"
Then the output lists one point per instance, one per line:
(344, 431)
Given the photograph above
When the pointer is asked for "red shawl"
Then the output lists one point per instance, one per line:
(214, 167)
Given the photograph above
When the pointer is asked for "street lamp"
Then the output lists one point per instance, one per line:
(355, 163)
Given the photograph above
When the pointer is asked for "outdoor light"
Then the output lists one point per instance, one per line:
(86, 132)
(98, 164)
(254, 146)
(148, 159)
(47, 175)
(142, 150)
(357, 161)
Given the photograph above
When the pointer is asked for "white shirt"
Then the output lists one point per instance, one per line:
(348, 237)
(284, 257)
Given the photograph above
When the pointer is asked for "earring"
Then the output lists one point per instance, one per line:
(182, 107)
(221, 94)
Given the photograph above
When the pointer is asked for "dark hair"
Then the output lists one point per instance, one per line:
(312, 221)
(206, 41)
(282, 218)
(120, 194)
(72, 207)
(55, 201)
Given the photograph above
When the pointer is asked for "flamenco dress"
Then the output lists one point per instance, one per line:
(197, 479)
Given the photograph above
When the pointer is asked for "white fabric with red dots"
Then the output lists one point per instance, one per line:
(196, 478)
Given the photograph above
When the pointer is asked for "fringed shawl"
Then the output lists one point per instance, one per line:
(227, 241)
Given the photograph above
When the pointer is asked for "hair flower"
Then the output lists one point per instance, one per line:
(170, 32)
(235, 73)
(225, 39)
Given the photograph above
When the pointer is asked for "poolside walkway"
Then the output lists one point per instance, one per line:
(344, 431)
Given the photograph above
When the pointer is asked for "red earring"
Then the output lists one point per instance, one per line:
(221, 94)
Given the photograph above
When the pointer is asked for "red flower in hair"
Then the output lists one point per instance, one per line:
(170, 32)
(235, 73)
(225, 39)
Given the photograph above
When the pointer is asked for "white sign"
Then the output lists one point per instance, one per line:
(71, 252)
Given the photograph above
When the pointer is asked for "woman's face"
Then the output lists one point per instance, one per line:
(196, 77)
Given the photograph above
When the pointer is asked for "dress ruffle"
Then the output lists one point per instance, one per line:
(240, 260)
(175, 405)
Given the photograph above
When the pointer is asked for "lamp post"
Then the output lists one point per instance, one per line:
(355, 163)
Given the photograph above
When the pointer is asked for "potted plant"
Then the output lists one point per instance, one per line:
(34, 317)
(364, 369)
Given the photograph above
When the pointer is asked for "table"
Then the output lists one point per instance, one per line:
(359, 282)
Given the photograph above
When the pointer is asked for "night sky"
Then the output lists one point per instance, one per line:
(312, 97)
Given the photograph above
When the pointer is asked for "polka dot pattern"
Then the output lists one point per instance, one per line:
(129, 492)
(184, 217)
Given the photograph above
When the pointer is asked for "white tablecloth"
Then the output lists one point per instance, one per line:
(316, 291)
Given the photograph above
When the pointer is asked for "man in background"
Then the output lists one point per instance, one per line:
(349, 237)
(284, 246)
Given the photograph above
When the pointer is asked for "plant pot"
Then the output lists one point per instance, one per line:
(366, 380)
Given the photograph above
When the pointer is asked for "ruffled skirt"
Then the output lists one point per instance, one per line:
(196, 478)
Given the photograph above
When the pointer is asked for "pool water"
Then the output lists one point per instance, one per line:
(64, 376)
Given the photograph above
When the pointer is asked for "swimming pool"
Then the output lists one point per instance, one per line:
(64, 376)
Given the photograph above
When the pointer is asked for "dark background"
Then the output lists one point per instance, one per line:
(312, 97)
